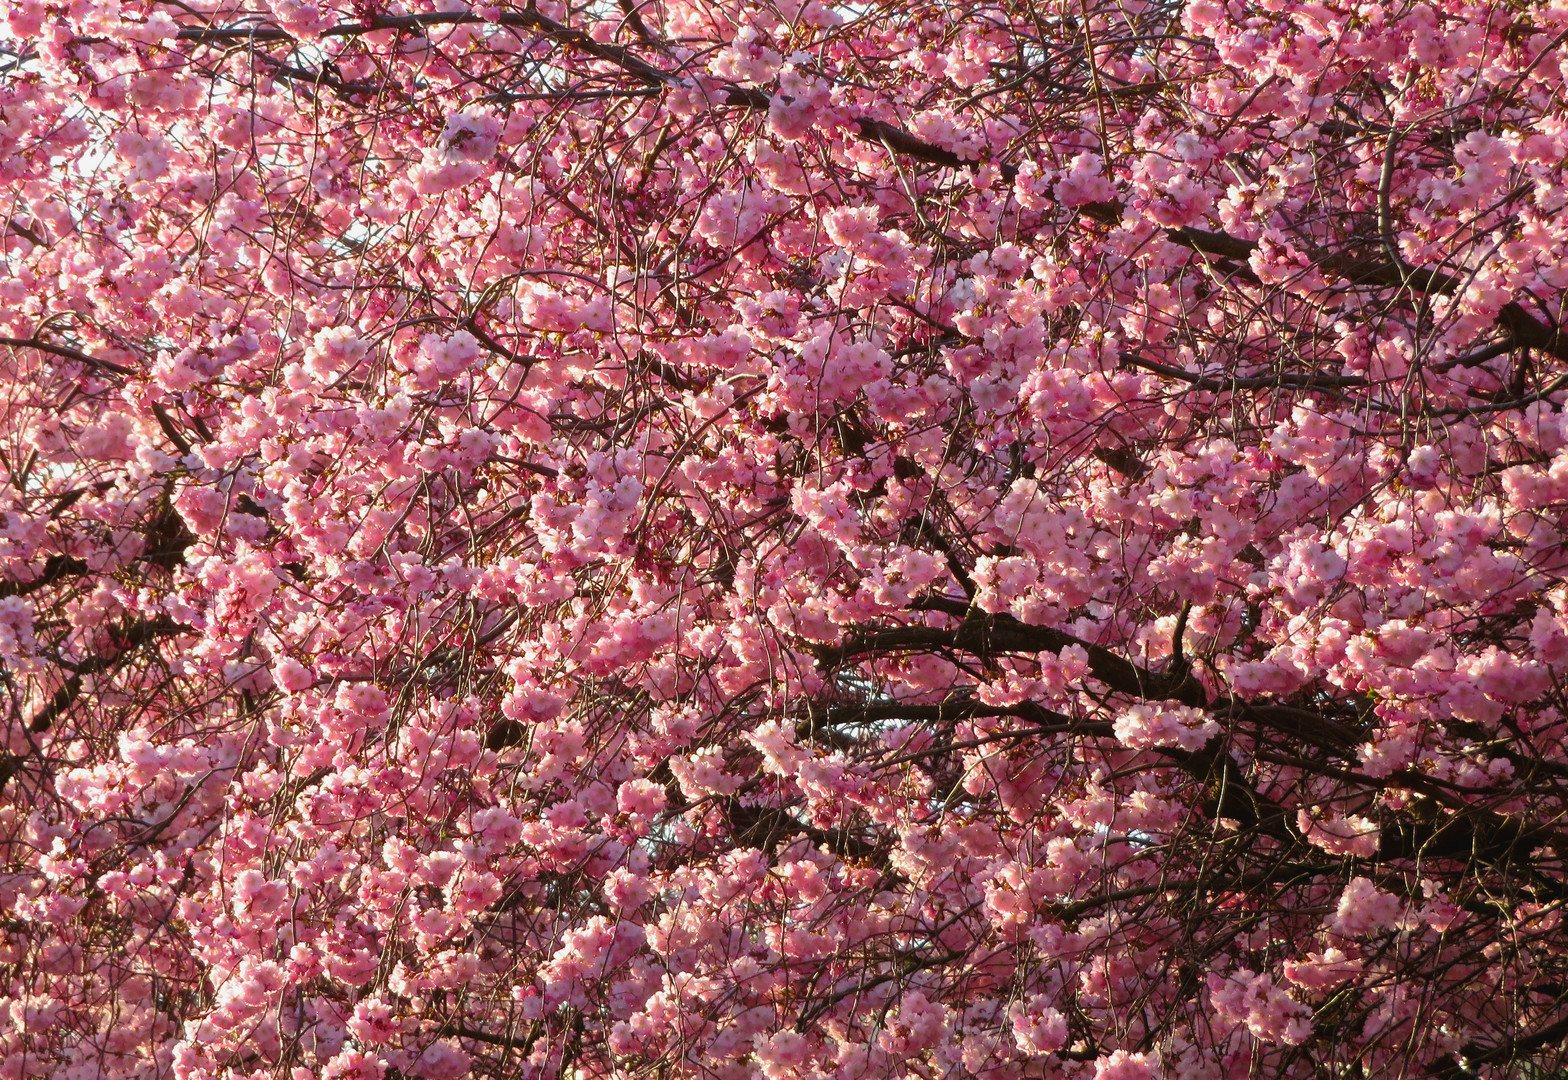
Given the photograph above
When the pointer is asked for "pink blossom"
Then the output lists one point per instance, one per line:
(1037, 1028)
(442, 1060)
(1346, 835)
(1143, 726)
(640, 798)
(1365, 909)
(1121, 1065)
(1322, 971)
(781, 1053)
(1267, 1011)
(291, 676)
(353, 1065)
(334, 350)
(1084, 183)
(372, 1023)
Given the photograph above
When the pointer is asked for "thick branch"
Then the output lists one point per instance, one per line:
(68, 353)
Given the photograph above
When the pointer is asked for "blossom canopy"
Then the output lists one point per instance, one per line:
(760, 540)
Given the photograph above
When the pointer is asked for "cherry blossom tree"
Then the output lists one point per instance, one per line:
(783, 541)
